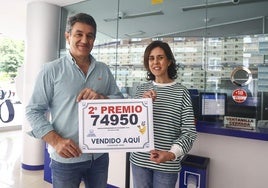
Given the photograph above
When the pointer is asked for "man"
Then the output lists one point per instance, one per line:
(59, 87)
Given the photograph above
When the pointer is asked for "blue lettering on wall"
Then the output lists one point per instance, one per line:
(8, 105)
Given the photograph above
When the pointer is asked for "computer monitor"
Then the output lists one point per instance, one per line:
(212, 106)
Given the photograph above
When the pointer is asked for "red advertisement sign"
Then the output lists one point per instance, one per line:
(239, 95)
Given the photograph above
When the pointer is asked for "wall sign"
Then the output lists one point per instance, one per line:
(240, 122)
(116, 125)
(11, 110)
(239, 95)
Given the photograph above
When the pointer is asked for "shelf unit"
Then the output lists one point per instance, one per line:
(202, 63)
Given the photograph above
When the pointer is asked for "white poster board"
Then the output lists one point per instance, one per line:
(116, 125)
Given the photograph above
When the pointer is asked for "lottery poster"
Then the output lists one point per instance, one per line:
(116, 125)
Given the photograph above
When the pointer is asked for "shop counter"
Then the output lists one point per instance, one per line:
(218, 128)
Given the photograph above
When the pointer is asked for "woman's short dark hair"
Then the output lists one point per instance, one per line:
(82, 18)
(172, 69)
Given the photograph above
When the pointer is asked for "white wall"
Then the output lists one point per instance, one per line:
(234, 162)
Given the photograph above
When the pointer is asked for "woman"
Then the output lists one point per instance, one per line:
(173, 121)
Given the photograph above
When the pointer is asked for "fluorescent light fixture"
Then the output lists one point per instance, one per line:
(138, 33)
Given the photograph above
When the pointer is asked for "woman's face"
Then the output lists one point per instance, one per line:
(158, 64)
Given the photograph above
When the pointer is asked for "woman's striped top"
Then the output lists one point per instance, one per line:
(174, 123)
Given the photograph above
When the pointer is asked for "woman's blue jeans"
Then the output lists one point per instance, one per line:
(94, 173)
(149, 178)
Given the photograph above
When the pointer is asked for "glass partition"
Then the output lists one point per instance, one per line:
(218, 49)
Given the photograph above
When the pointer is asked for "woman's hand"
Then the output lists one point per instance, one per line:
(150, 94)
(159, 156)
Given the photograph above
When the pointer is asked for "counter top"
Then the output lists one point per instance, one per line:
(218, 128)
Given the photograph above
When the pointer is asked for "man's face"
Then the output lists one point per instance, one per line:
(80, 39)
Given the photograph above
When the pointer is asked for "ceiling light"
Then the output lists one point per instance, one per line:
(138, 33)
(206, 20)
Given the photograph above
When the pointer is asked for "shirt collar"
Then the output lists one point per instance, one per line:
(164, 84)
(72, 60)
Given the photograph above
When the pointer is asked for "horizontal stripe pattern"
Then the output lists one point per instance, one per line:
(173, 120)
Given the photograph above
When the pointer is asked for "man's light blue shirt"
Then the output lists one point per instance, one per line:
(57, 87)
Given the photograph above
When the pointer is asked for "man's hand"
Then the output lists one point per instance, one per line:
(66, 148)
(89, 93)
